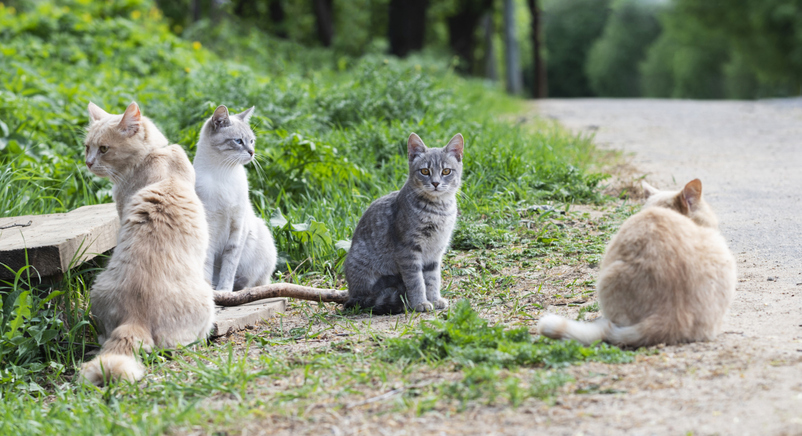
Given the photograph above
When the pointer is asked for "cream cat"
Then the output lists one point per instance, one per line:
(667, 276)
(152, 293)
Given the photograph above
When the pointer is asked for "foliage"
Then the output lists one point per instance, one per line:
(612, 63)
(331, 138)
(765, 33)
(570, 28)
(713, 50)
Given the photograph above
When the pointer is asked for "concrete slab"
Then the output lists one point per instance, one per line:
(57, 242)
(236, 318)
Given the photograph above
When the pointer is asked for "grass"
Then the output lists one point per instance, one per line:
(331, 134)
(291, 372)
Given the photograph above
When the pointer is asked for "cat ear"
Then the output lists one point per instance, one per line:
(415, 146)
(648, 189)
(692, 194)
(455, 146)
(131, 121)
(96, 113)
(220, 118)
(246, 114)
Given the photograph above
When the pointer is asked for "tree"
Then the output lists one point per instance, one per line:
(511, 54)
(539, 85)
(613, 61)
(324, 17)
(570, 27)
(462, 27)
(764, 34)
(406, 25)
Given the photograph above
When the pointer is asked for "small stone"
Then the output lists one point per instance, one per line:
(772, 279)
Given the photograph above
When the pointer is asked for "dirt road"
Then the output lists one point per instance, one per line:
(749, 381)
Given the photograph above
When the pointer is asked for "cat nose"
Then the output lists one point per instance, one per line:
(89, 164)
(435, 184)
(250, 152)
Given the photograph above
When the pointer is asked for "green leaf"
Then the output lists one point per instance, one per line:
(23, 310)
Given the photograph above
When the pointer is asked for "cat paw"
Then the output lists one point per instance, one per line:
(424, 307)
(441, 304)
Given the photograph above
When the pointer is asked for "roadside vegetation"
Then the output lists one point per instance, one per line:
(331, 137)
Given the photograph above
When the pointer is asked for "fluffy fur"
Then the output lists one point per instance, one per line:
(152, 293)
(400, 240)
(241, 252)
(666, 277)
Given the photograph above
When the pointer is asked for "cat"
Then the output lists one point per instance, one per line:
(241, 253)
(152, 293)
(667, 276)
(395, 255)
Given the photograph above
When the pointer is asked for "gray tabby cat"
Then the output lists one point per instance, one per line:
(241, 251)
(400, 240)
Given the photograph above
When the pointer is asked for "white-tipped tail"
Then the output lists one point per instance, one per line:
(557, 327)
(117, 359)
(103, 369)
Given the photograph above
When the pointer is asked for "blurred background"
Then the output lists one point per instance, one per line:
(712, 49)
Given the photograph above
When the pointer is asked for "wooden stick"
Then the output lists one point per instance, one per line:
(274, 290)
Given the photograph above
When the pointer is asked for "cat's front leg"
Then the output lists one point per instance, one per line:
(431, 277)
(232, 252)
(412, 275)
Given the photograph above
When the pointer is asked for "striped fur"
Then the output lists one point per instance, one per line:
(395, 255)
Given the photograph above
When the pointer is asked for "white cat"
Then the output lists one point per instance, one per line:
(667, 276)
(241, 252)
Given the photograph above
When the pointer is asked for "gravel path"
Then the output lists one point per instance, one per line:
(749, 158)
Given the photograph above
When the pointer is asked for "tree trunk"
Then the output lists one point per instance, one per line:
(491, 72)
(274, 290)
(196, 10)
(462, 31)
(277, 17)
(406, 26)
(324, 15)
(511, 55)
(539, 84)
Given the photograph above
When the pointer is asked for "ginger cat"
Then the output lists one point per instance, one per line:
(667, 276)
(152, 293)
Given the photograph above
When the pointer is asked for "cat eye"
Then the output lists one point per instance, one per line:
(446, 171)
(238, 141)
(425, 171)
(104, 148)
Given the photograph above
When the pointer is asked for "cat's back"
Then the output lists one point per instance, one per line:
(660, 261)
(166, 214)
(659, 234)
(375, 223)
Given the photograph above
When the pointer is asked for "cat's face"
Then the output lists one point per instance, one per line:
(435, 172)
(688, 202)
(230, 136)
(115, 143)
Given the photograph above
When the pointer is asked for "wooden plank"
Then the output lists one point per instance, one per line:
(236, 318)
(56, 242)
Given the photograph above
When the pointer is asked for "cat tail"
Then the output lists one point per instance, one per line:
(387, 303)
(557, 327)
(117, 359)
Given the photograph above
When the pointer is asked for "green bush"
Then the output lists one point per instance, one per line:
(570, 27)
(612, 63)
